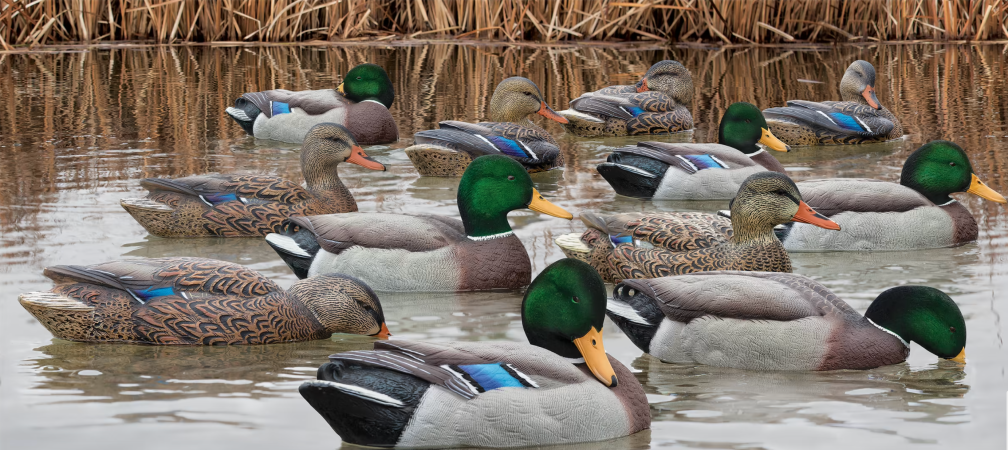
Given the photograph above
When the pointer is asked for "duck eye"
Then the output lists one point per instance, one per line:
(951, 164)
(952, 329)
(576, 299)
(748, 121)
(510, 177)
(358, 78)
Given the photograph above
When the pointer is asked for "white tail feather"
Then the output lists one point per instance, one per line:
(237, 114)
(359, 392)
(626, 311)
(286, 244)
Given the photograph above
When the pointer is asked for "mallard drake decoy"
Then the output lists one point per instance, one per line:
(252, 205)
(361, 103)
(561, 388)
(447, 151)
(196, 301)
(659, 103)
(650, 245)
(673, 171)
(396, 252)
(877, 215)
(777, 321)
(858, 119)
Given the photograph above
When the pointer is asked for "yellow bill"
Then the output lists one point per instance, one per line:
(771, 141)
(340, 89)
(540, 204)
(590, 346)
(980, 189)
(961, 357)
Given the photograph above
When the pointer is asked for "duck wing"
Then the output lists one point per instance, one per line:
(280, 101)
(338, 232)
(216, 189)
(838, 117)
(486, 139)
(672, 231)
(515, 131)
(834, 196)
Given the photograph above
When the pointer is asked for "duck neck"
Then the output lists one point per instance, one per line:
(320, 175)
(480, 222)
(749, 228)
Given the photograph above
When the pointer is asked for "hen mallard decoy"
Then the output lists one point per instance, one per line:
(361, 103)
(447, 151)
(672, 171)
(561, 388)
(651, 245)
(195, 301)
(659, 103)
(877, 215)
(777, 321)
(397, 252)
(252, 205)
(858, 119)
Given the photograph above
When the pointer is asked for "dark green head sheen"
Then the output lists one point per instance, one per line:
(369, 82)
(491, 187)
(742, 127)
(563, 303)
(923, 315)
(937, 169)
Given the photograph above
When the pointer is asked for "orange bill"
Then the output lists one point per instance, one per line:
(980, 189)
(642, 85)
(961, 357)
(771, 141)
(383, 333)
(548, 113)
(357, 156)
(869, 94)
(808, 215)
(340, 89)
(590, 346)
(540, 204)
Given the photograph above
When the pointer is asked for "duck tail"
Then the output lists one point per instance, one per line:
(365, 405)
(635, 313)
(296, 248)
(633, 175)
(65, 317)
(245, 113)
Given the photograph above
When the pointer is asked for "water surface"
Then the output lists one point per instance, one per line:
(79, 129)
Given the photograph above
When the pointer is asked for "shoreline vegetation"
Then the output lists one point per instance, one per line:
(31, 24)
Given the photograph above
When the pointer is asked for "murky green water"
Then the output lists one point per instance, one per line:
(78, 129)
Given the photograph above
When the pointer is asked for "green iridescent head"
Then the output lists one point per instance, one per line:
(923, 315)
(368, 82)
(743, 126)
(940, 168)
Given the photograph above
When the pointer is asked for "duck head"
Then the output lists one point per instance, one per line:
(368, 82)
(743, 126)
(923, 315)
(516, 98)
(327, 145)
(563, 311)
(670, 78)
(491, 187)
(858, 84)
(342, 304)
(768, 199)
(940, 168)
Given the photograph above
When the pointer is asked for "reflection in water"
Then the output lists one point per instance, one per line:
(78, 130)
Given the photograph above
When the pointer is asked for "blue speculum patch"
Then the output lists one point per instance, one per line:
(704, 162)
(280, 108)
(635, 111)
(847, 122)
(508, 147)
(491, 376)
(215, 199)
(150, 293)
(617, 240)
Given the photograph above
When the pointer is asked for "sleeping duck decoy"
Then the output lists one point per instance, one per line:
(673, 171)
(858, 119)
(650, 245)
(195, 301)
(252, 205)
(658, 104)
(398, 252)
(560, 388)
(777, 321)
(447, 151)
(361, 103)
(916, 213)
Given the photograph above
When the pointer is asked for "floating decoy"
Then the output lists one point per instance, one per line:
(252, 205)
(560, 388)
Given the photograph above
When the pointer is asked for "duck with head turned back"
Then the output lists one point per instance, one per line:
(658, 104)
(560, 388)
(858, 119)
(447, 151)
(252, 205)
(195, 301)
(361, 103)
(397, 252)
(674, 171)
(916, 213)
(650, 245)
(777, 321)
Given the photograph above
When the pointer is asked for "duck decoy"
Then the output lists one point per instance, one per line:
(196, 301)
(252, 205)
(560, 388)
(778, 321)
(658, 104)
(361, 104)
(674, 171)
(650, 245)
(916, 213)
(398, 252)
(858, 119)
(446, 152)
